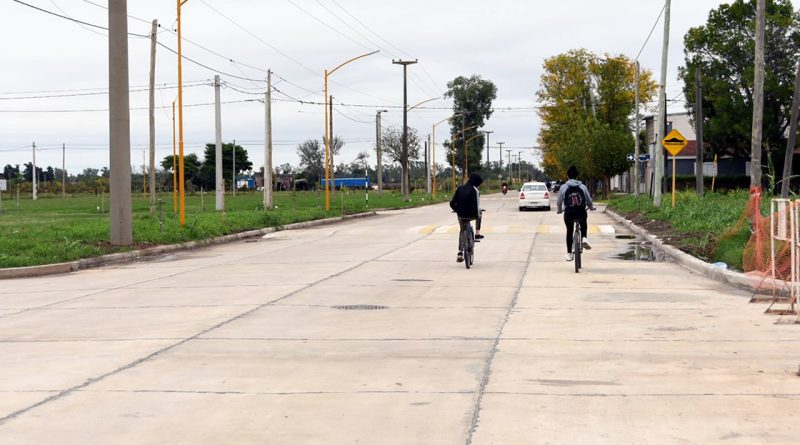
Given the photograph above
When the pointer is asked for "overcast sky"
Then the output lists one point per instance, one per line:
(503, 41)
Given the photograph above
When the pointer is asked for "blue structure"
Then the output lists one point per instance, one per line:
(353, 183)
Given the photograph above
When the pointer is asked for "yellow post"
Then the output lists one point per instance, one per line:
(181, 175)
(714, 175)
(673, 181)
(327, 172)
(174, 165)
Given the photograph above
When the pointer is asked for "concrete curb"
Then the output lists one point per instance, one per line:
(736, 279)
(133, 255)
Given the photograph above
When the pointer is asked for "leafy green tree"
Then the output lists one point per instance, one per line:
(192, 167)
(587, 103)
(472, 106)
(723, 48)
(208, 168)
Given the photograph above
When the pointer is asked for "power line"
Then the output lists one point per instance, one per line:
(651, 32)
(98, 93)
(73, 20)
(93, 110)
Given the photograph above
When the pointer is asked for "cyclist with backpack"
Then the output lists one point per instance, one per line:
(466, 203)
(573, 200)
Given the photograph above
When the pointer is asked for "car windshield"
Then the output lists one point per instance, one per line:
(534, 188)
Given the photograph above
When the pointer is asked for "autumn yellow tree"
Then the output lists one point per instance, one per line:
(586, 107)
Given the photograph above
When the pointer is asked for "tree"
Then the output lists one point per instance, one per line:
(392, 145)
(10, 172)
(312, 157)
(472, 106)
(587, 104)
(191, 165)
(723, 48)
(209, 166)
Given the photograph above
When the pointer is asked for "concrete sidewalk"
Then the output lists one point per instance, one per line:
(370, 332)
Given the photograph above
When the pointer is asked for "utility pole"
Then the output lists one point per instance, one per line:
(487, 147)
(153, 34)
(662, 112)
(268, 144)
(182, 173)
(508, 154)
(427, 166)
(144, 172)
(233, 182)
(519, 166)
(378, 148)
(404, 154)
(33, 174)
(63, 170)
(636, 165)
(500, 154)
(790, 142)
(758, 99)
(121, 232)
(698, 125)
(219, 190)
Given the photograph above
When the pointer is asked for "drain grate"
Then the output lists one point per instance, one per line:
(410, 279)
(360, 307)
(625, 236)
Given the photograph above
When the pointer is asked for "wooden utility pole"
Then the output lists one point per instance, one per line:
(791, 141)
(698, 126)
(219, 190)
(33, 174)
(63, 170)
(153, 34)
(662, 112)
(758, 99)
(378, 149)
(268, 144)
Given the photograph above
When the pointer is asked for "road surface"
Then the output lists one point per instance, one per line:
(370, 332)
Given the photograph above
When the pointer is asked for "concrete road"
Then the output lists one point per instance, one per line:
(369, 332)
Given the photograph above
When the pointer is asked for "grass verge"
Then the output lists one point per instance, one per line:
(53, 230)
(705, 227)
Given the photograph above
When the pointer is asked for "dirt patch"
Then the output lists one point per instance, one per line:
(106, 247)
(698, 244)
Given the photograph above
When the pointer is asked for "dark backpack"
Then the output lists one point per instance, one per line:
(573, 199)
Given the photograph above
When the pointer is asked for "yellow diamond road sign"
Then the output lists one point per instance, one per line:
(674, 142)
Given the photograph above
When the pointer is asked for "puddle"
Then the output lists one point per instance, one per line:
(641, 251)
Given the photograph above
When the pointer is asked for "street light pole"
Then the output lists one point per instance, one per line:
(181, 174)
(378, 148)
(404, 156)
(328, 145)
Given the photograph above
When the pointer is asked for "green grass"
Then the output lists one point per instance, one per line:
(703, 224)
(52, 229)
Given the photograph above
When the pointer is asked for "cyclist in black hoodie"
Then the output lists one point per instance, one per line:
(466, 202)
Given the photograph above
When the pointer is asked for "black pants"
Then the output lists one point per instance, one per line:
(569, 220)
(462, 224)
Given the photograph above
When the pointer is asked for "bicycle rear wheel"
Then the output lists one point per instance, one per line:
(576, 249)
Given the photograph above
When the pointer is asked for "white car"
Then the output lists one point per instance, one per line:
(533, 195)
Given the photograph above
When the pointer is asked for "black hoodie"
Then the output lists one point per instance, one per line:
(465, 199)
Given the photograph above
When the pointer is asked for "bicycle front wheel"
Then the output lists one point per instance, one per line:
(576, 250)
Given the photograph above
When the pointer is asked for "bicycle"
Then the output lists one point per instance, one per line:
(466, 244)
(577, 244)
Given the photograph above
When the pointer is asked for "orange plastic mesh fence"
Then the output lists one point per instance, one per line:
(758, 256)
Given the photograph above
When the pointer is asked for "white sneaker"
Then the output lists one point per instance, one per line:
(586, 244)
(569, 257)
